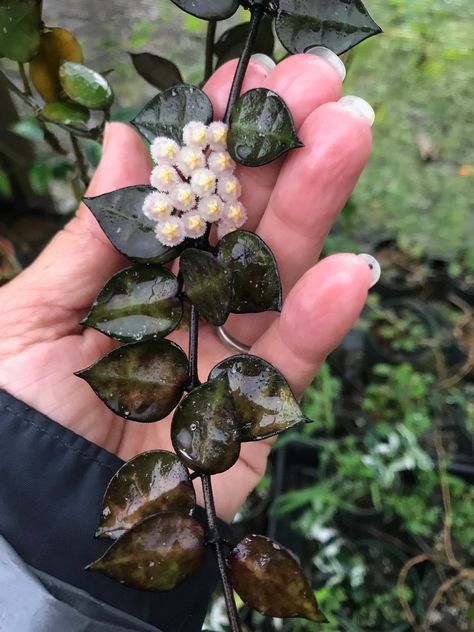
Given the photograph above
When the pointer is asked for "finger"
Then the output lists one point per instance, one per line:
(80, 258)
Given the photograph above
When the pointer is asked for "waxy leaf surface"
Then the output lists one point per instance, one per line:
(208, 285)
(204, 430)
(20, 25)
(139, 303)
(157, 554)
(263, 400)
(338, 25)
(120, 216)
(158, 71)
(231, 43)
(255, 278)
(150, 483)
(142, 382)
(168, 112)
(66, 112)
(85, 86)
(269, 579)
(209, 9)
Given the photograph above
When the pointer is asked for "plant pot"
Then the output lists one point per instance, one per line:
(401, 274)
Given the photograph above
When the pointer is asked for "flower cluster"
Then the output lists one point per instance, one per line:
(194, 185)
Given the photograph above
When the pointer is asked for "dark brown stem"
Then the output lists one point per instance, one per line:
(210, 37)
(193, 381)
(81, 160)
(217, 544)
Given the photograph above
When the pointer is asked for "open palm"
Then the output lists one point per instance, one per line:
(292, 204)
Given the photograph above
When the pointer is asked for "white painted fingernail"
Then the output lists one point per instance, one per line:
(374, 266)
(331, 57)
(359, 107)
(264, 60)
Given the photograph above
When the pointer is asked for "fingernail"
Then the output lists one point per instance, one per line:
(330, 57)
(374, 266)
(360, 107)
(264, 60)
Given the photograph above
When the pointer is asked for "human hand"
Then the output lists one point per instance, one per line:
(292, 204)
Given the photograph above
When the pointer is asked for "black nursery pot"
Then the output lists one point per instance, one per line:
(399, 282)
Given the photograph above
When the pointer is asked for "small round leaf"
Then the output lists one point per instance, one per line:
(269, 579)
(139, 303)
(150, 483)
(66, 112)
(209, 9)
(158, 554)
(255, 277)
(158, 71)
(142, 382)
(20, 26)
(85, 86)
(204, 430)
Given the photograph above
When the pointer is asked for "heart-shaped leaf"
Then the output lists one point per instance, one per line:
(168, 112)
(255, 278)
(157, 554)
(66, 112)
(261, 128)
(263, 400)
(142, 382)
(139, 303)
(231, 43)
(208, 285)
(269, 579)
(20, 25)
(209, 9)
(158, 71)
(338, 25)
(204, 429)
(56, 45)
(120, 216)
(85, 86)
(150, 483)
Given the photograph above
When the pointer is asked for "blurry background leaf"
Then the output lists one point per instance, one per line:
(85, 86)
(158, 554)
(20, 24)
(209, 9)
(142, 381)
(147, 484)
(261, 128)
(140, 303)
(158, 71)
(56, 45)
(231, 43)
(29, 128)
(66, 112)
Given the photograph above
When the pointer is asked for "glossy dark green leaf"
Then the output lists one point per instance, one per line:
(208, 285)
(85, 86)
(158, 71)
(204, 430)
(139, 303)
(157, 554)
(231, 43)
(120, 216)
(269, 579)
(20, 27)
(150, 483)
(338, 25)
(263, 400)
(261, 128)
(209, 9)
(256, 281)
(66, 112)
(168, 112)
(142, 382)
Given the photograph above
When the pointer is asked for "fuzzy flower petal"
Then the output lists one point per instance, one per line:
(221, 162)
(190, 159)
(182, 197)
(164, 150)
(223, 229)
(195, 134)
(164, 178)
(170, 232)
(194, 225)
(235, 214)
(229, 188)
(210, 208)
(217, 133)
(203, 182)
(157, 206)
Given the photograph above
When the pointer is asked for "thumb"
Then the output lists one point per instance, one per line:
(80, 258)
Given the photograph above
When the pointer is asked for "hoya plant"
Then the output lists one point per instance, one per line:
(183, 235)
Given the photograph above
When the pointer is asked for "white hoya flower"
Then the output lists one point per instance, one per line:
(203, 182)
(164, 150)
(229, 188)
(221, 162)
(190, 159)
(217, 135)
(195, 134)
(183, 197)
(170, 231)
(194, 225)
(223, 229)
(210, 208)
(235, 214)
(157, 206)
(164, 178)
